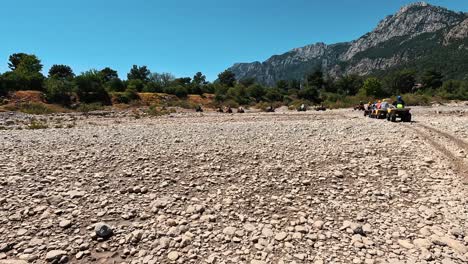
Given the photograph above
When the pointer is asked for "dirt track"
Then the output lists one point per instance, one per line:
(286, 187)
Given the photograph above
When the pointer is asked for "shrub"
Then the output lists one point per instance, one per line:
(35, 109)
(231, 103)
(86, 108)
(274, 95)
(35, 124)
(115, 85)
(126, 97)
(59, 91)
(310, 94)
(182, 104)
(154, 111)
(90, 89)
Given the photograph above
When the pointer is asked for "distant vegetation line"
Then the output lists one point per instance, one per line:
(62, 86)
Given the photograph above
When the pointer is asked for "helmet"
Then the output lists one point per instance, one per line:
(398, 97)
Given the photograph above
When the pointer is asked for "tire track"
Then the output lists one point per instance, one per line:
(459, 164)
(460, 143)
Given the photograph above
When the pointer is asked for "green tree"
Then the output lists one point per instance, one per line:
(26, 73)
(114, 85)
(372, 87)
(294, 84)
(400, 82)
(199, 79)
(227, 78)
(109, 74)
(349, 84)
(315, 79)
(178, 90)
(61, 72)
(220, 91)
(90, 89)
(432, 79)
(274, 95)
(184, 81)
(3, 87)
(246, 82)
(27, 63)
(59, 90)
(282, 85)
(161, 79)
(242, 96)
(309, 93)
(139, 73)
(136, 84)
(256, 91)
(15, 81)
(152, 87)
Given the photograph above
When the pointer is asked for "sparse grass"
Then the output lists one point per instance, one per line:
(155, 111)
(36, 124)
(86, 108)
(265, 105)
(36, 109)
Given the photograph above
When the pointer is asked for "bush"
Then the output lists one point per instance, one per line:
(136, 85)
(418, 99)
(231, 103)
(265, 105)
(154, 111)
(372, 87)
(90, 89)
(152, 87)
(16, 81)
(310, 94)
(59, 91)
(182, 104)
(35, 124)
(115, 85)
(274, 95)
(86, 108)
(256, 91)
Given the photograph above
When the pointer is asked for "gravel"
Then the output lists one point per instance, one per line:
(328, 187)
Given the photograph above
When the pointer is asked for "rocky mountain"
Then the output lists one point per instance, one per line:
(418, 36)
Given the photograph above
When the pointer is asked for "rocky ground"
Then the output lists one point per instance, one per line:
(286, 187)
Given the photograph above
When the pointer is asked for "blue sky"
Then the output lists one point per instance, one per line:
(181, 36)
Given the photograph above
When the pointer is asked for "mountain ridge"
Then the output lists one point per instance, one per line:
(407, 25)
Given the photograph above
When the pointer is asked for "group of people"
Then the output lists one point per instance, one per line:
(384, 105)
(228, 110)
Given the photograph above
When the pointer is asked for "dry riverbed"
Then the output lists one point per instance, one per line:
(285, 187)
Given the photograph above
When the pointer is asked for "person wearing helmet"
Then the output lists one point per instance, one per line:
(399, 103)
(384, 105)
(379, 103)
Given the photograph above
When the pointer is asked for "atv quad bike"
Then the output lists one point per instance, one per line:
(302, 108)
(402, 113)
(359, 107)
(320, 108)
(377, 113)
